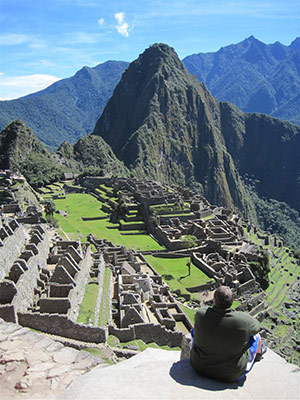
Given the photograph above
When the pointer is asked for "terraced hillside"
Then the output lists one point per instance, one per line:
(281, 318)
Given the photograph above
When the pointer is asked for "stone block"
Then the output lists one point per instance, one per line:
(62, 276)
(55, 305)
(8, 290)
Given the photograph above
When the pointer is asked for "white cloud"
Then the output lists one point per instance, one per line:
(11, 39)
(37, 45)
(19, 86)
(122, 26)
(101, 21)
(81, 37)
(119, 17)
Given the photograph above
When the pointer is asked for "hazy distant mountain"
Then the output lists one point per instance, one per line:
(254, 76)
(68, 109)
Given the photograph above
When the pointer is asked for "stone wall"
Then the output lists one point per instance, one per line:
(12, 246)
(62, 326)
(7, 312)
(148, 333)
(54, 305)
(28, 280)
(198, 262)
(76, 294)
(207, 286)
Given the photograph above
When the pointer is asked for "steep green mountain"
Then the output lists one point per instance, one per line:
(254, 76)
(164, 124)
(267, 149)
(21, 150)
(90, 151)
(68, 109)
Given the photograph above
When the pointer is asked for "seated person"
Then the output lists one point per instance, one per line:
(226, 342)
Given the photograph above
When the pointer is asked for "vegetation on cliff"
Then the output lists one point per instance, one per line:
(164, 125)
(21, 150)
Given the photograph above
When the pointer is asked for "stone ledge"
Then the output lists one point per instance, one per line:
(159, 374)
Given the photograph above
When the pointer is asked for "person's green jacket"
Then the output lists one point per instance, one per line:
(221, 341)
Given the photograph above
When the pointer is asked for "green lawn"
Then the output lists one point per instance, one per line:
(80, 204)
(105, 299)
(175, 272)
(189, 312)
(87, 308)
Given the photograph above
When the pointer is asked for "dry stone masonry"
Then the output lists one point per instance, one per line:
(43, 278)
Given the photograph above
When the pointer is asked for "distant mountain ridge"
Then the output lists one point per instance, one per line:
(254, 76)
(68, 109)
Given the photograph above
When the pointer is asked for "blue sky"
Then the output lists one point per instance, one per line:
(43, 41)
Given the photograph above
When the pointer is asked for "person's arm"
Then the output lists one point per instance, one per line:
(254, 325)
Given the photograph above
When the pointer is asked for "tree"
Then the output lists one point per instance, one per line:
(49, 207)
(261, 269)
(189, 241)
(120, 210)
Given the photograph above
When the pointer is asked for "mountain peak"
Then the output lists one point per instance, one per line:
(295, 45)
(156, 55)
(161, 122)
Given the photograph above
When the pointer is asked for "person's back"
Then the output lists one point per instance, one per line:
(221, 340)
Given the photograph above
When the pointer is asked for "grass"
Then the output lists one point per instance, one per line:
(175, 273)
(105, 299)
(80, 204)
(86, 312)
(96, 352)
(189, 312)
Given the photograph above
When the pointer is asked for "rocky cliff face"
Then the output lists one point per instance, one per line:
(164, 124)
(90, 151)
(266, 149)
(21, 150)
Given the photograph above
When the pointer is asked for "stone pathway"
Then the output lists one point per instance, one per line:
(34, 366)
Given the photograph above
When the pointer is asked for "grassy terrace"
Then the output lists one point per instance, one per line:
(282, 276)
(87, 308)
(175, 273)
(104, 305)
(79, 205)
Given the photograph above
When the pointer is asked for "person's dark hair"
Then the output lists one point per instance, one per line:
(223, 297)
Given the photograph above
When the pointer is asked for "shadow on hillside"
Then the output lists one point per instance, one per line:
(183, 373)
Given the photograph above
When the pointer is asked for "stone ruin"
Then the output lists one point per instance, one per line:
(43, 278)
(141, 302)
(219, 231)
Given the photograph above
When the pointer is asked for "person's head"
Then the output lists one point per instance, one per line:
(223, 297)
